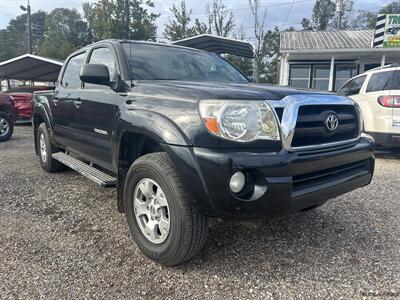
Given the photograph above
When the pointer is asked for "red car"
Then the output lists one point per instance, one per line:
(7, 117)
(23, 100)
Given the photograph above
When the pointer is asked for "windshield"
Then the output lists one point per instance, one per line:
(158, 62)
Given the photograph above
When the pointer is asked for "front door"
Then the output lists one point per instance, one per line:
(95, 108)
(62, 102)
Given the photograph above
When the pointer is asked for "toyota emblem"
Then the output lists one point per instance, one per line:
(331, 122)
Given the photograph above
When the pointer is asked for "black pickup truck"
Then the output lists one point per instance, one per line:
(184, 136)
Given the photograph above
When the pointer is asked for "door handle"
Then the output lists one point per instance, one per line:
(55, 101)
(77, 103)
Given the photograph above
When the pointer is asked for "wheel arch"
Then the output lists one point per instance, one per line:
(40, 116)
(139, 133)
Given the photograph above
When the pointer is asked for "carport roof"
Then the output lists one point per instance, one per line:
(30, 67)
(218, 45)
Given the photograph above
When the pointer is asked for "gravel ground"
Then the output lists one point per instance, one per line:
(62, 237)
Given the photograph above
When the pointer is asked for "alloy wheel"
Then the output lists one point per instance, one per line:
(43, 148)
(151, 210)
(4, 127)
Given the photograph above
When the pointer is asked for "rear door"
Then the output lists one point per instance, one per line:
(96, 110)
(395, 93)
(63, 99)
(380, 117)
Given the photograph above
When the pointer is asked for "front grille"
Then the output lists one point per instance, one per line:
(310, 127)
(311, 180)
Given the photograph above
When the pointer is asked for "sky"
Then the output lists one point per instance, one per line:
(281, 13)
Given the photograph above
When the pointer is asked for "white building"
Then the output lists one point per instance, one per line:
(326, 59)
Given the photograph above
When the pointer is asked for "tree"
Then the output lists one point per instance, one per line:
(201, 27)
(306, 24)
(391, 8)
(259, 33)
(179, 28)
(270, 51)
(242, 63)
(364, 20)
(220, 21)
(367, 19)
(323, 12)
(14, 38)
(346, 16)
(65, 32)
(106, 19)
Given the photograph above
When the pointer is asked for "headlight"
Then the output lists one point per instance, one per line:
(241, 121)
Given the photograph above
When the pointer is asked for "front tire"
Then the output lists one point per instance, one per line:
(6, 127)
(163, 222)
(46, 149)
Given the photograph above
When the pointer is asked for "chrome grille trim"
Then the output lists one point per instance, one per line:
(291, 105)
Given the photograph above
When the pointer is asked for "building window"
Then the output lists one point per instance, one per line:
(368, 67)
(300, 76)
(321, 77)
(342, 74)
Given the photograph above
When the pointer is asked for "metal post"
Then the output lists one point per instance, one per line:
(331, 74)
(339, 11)
(29, 25)
(126, 28)
(383, 60)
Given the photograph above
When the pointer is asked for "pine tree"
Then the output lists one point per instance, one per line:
(179, 27)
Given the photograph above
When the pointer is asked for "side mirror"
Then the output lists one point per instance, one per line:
(95, 73)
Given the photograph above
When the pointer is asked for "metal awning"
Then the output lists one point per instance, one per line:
(219, 45)
(31, 67)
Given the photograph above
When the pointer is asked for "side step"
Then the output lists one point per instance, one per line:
(89, 172)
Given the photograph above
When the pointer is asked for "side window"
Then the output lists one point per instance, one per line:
(103, 56)
(352, 87)
(344, 90)
(380, 81)
(396, 81)
(357, 85)
(71, 74)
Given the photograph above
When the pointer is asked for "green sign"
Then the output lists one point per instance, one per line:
(392, 31)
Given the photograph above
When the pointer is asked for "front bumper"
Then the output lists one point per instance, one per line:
(283, 181)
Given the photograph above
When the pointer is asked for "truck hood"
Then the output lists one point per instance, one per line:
(251, 91)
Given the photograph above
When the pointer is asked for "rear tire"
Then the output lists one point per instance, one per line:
(6, 127)
(186, 228)
(46, 149)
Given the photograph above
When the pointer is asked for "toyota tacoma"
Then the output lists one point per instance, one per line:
(184, 136)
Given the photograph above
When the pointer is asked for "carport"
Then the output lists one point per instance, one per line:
(221, 45)
(30, 67)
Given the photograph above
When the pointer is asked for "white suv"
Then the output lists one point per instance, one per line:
(378, 93)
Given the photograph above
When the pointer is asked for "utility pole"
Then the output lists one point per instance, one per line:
(28, 25)
(126, 27)
(339, 12)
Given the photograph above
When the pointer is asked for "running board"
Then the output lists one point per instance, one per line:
(89, 172)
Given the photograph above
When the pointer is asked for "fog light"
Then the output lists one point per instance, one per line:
(237, 182)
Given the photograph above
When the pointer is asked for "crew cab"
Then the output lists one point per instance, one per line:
(184, 136)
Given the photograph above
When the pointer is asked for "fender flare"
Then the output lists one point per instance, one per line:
(149, 123)
(40, 110)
